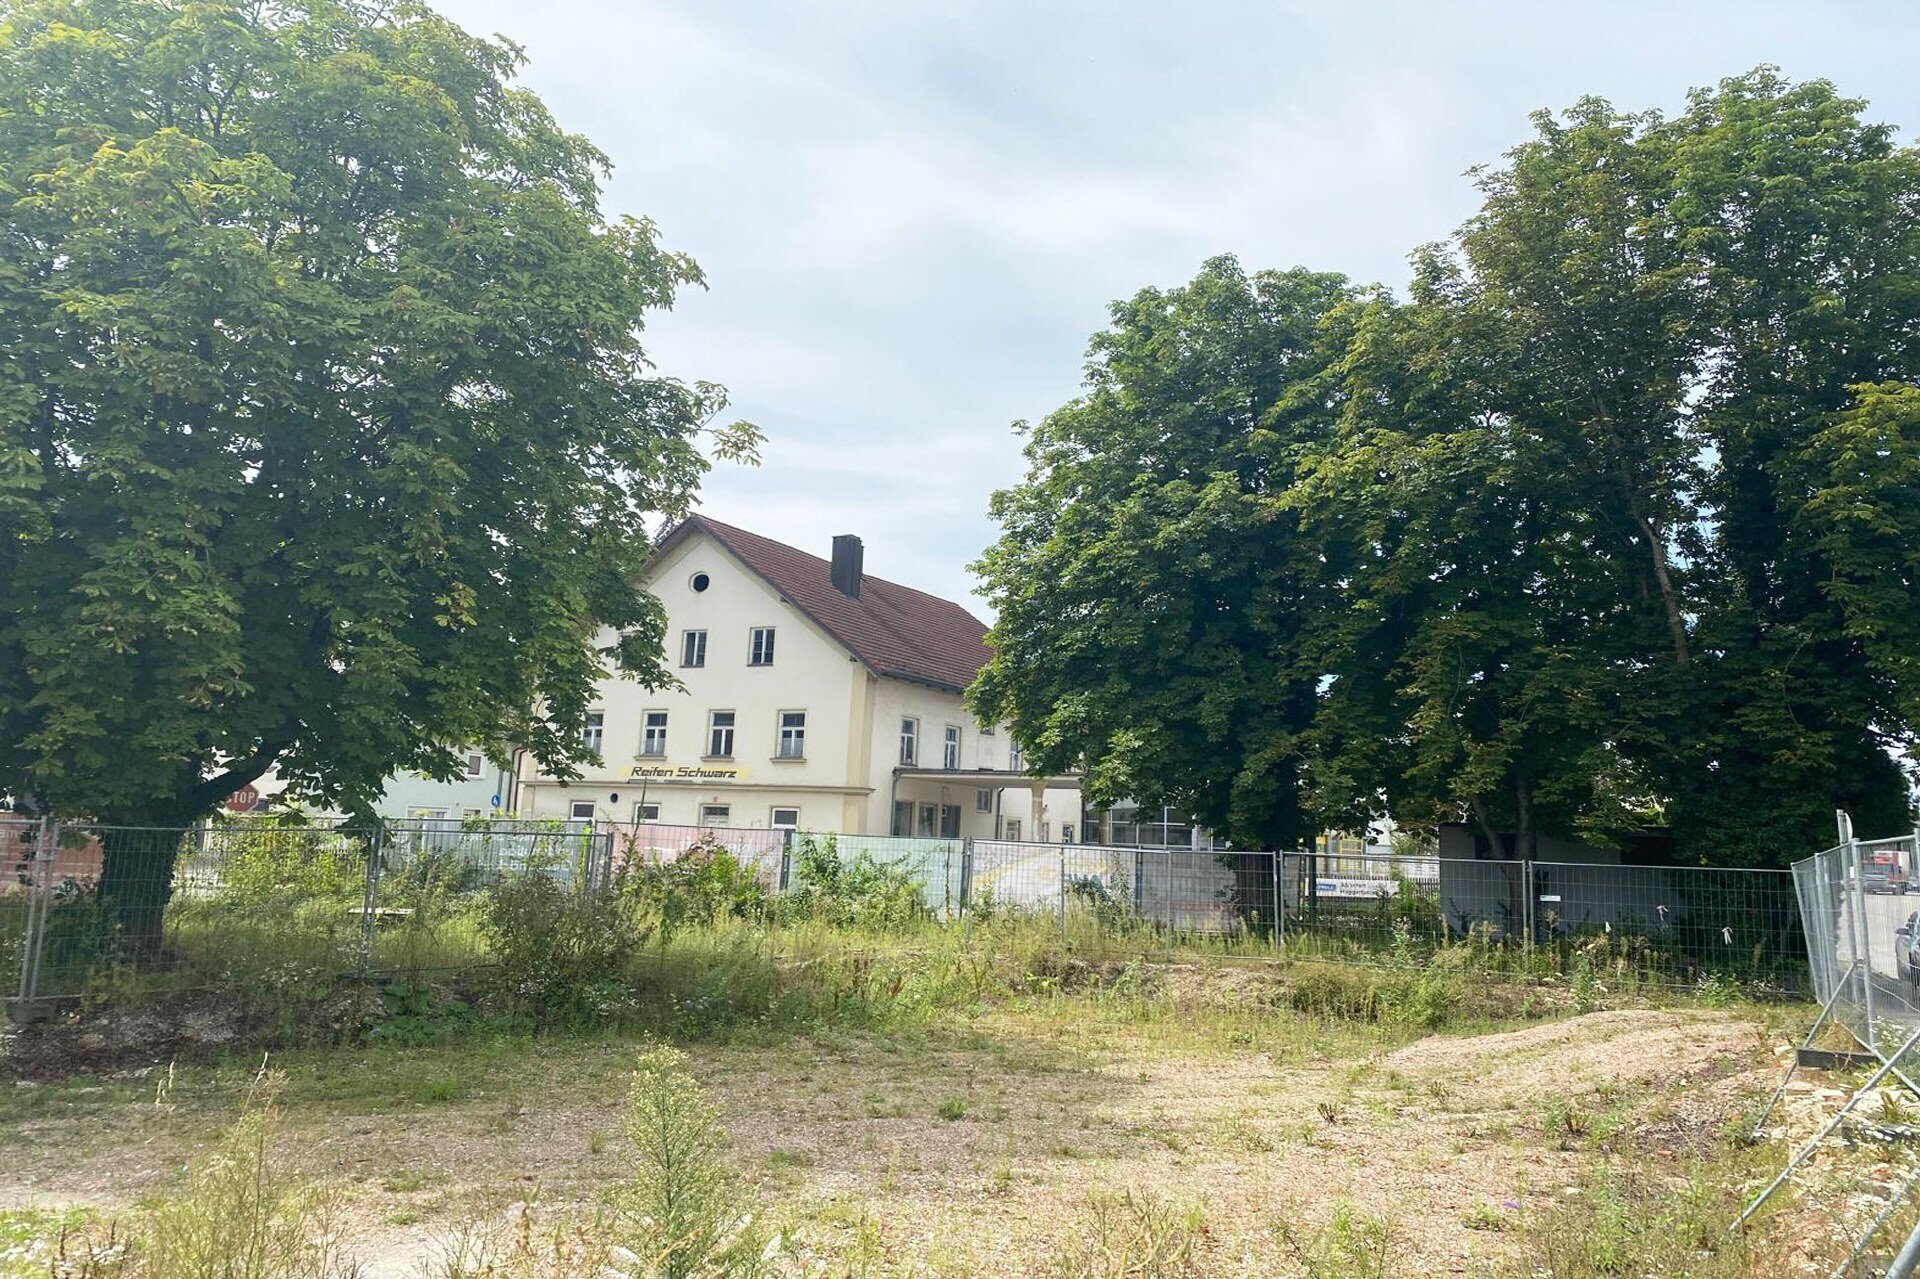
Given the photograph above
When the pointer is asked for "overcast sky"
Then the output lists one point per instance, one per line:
(912, 216)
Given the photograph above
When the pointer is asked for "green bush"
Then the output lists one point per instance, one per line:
(704, 885)
(278, 869)
(560, 953)
(862, 892)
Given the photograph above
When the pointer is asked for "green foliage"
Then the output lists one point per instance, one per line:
(1348, 1245)
(861, 891)
(561, 953)
(328, 438)
(683, 1213)
(1610, 522)
(284, 868)
(1148, 593)
(704, 884)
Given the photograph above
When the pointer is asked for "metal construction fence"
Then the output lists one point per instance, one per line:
(85, 906)
(1862, 929)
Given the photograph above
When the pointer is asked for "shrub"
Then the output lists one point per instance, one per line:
(862, 892)
(561, 953)
(278, 868)
(703, 885)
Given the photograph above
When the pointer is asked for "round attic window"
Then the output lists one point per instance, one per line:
(700, 582)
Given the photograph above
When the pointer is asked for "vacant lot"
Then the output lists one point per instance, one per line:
(996, 1139)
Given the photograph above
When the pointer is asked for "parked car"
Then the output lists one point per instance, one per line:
(1880, 872)
(1906, 950)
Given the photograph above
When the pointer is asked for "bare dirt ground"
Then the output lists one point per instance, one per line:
(966, 1151)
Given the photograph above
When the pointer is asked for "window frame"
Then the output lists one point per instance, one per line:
(773, 817)
(715, 729)
(726, 816)
(982, 800)
(593, 733)
(574, 807)
(640, 817)
(785, 732)
(910, 741)
(757, 655)
(646, 732)
(693, 645)
(476, 765)
(950, 740)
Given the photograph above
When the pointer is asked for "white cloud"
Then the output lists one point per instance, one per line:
(912, 216)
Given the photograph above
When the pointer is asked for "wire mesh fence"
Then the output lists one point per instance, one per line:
(86, 910)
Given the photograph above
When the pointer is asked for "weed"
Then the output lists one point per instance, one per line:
(952, 1109)
(1348, 1245)
(683, 1212)
(1131, 1236)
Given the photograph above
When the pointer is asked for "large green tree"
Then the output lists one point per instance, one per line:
(327, 439)
(1148, 591)
(1609, 521)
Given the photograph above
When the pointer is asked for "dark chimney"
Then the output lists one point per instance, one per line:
(848, 558)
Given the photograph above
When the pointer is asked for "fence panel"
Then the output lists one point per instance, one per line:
(651, 843)
(1671, 923)
(1378, 903)
(934, 865)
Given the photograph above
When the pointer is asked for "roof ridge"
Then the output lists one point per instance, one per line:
(891, 628)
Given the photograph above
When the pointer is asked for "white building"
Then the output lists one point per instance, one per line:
(816, 697)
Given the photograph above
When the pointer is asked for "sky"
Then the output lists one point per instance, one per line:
(912, 216)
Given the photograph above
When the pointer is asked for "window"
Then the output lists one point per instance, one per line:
(653, 733)
(902, 817)
(715, 814)
(699, 582)
(646, 813)
(950, 748)
(793, 735)
(785, 819)
(760, 646)
(693, 648)
(476, 765)
(983, 801)
(581, 810)
(949, 821)
(1066, 833)
(929, 815)
(1013, 757)
(988, 730)
(595, 731)
(720, 735)
(910, 742)
(1013, 829)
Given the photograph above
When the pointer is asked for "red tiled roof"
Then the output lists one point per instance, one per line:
(893, 630)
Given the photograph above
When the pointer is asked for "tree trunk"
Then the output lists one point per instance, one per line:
(1669, 598)
(140, 850)
(136, 883)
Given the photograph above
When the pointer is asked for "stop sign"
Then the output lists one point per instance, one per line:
(243, 800)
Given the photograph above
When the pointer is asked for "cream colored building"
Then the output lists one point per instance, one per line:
(815, 696)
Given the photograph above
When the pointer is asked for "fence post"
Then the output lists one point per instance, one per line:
(1279, 911)
(39, 897)
(370, 901)
(966, 873)
(1862, 942)
(786, 860)
(1063, 894)
(1530, 904)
